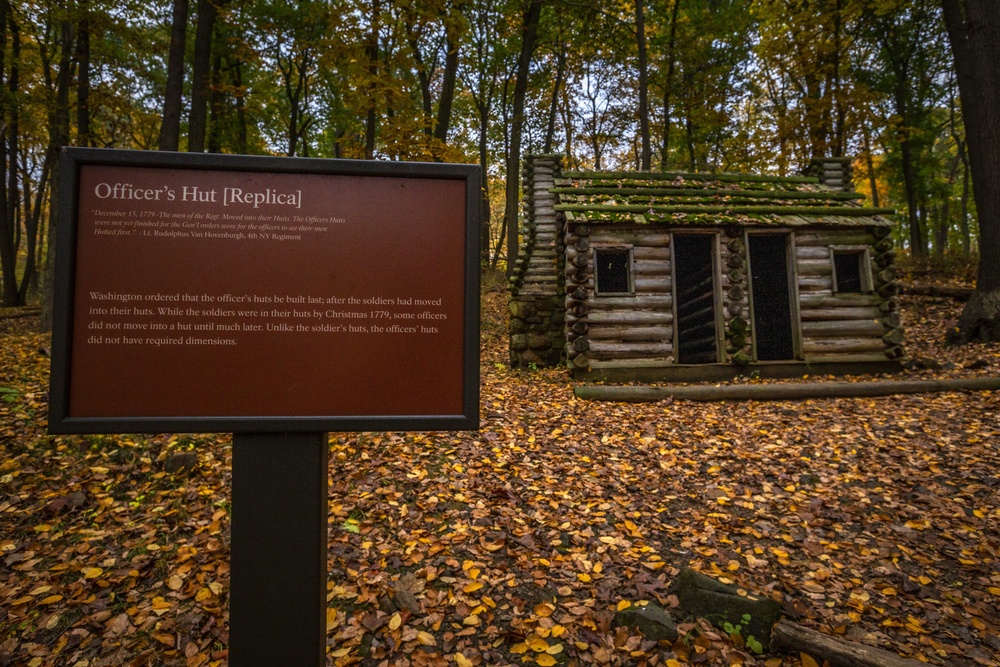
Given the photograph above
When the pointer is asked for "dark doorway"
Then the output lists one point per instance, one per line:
(694, 271)
(772, 312)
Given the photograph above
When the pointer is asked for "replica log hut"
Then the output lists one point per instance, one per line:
(686, 277)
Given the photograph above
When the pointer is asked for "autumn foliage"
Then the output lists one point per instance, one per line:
(871, 519)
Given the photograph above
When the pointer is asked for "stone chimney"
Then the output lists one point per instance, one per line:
(834, 172)
(537, 294)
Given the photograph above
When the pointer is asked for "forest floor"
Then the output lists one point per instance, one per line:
(876, 520)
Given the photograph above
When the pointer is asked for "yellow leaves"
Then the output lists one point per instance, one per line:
(545, 660)
(673, 663)
(472, 587)
(623, 604)
(537, 644)
(544, 609)
(395, 621)
(462, 661)
(808, 660)
(426, 639)
(91, 572)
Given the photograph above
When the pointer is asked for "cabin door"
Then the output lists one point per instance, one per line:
(694, 299)
(773, 333)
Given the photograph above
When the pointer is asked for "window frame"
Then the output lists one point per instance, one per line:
(629, 267)
(864, 267)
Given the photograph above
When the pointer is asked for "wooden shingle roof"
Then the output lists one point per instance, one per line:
(709, 199)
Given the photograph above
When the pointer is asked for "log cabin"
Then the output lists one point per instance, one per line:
(659, 276)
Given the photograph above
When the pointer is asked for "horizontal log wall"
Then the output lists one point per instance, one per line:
(845, 326)
(636, 328)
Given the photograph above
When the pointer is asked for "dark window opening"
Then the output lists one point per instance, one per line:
(614, 270)
(848, 268)
(694, 271)
(772, 312)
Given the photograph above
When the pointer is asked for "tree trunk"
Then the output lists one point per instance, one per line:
(529, 31)
(371, 119)
(550, 130)
(242, 124)
(443, 123)
(484, 182)
(974, 32)
(423, 75)
(170, 128)
(201, 76)
(8, 254)
(215, 102)
(58, 137)
(918, 245)
(29, 278)
(640, 32)
(668, 86)
(83, 77)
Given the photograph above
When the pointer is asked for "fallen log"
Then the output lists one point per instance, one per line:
(781, 392)
(21, 313)
(824, 649)
(958, 293)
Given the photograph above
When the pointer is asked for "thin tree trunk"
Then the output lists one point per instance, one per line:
(964, 225)
(241, 111)
(443, 123)
(201, 76)
(529, 32)
(17, 203)
(482, 106)
(373, 46)
(170, 128)
(669, 85)
(58, 137)
(215, 102)
(872, 181)
(918, 243)
(8, 254)
(550, 130)
(640, 32)
(423, 76)
(83, 77)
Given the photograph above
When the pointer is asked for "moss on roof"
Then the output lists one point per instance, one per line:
(708, 199)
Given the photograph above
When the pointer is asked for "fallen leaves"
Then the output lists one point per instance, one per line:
(875, 519)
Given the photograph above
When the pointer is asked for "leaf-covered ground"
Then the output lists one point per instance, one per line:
(873, 519)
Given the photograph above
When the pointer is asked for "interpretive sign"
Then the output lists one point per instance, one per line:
(252, 294)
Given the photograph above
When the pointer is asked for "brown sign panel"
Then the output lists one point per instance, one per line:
(213, 293)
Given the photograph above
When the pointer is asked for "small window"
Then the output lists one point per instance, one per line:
(613, 270)
(851, 270)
